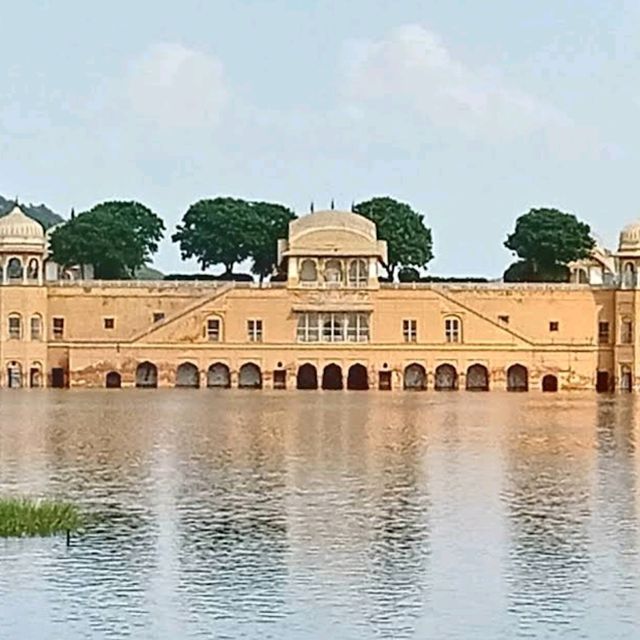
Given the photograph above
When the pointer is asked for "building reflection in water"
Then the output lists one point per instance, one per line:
(551, 457)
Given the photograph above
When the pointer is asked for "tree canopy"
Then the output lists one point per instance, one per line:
(229, 230)
(409, 241)
(546, 240)
(117, 238)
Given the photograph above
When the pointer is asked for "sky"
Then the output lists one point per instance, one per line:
(472, 112)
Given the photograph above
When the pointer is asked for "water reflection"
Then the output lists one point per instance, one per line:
(325, 515)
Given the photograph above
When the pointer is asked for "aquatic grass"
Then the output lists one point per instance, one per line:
(22, 517)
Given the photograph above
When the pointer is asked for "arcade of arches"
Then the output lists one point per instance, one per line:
(329, 377)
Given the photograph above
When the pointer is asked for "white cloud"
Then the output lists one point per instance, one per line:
(173, 85)
(411, 71)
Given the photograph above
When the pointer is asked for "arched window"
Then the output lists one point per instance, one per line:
(358, 273)
(14, 269)
(308, 271)
(15, 326)
(33, 269)
(629, 275)
(36, 327)
(333, 272)
(452, 329)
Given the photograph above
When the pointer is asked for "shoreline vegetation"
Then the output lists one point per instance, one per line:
(31, 517)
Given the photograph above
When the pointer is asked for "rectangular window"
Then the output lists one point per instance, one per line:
(554, 326)
(158, 316)
(58, 328)
(213, 330)
(357, 327)
(333, 327)
(36, 328)
(109, 323)
(626, 332)
(452, 330)
(603, 333)
(410, 330)
(15, 329)
(308, 327)
(254, 330)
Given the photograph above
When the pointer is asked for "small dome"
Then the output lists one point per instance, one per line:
(17, 225)
(630, 238)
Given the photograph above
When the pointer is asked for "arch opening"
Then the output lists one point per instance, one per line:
(15, 269)
(477, 378)
(187, 376)
(113, 380)
(147, 375)
(517, 378)
(307, 377)
(550, 383)
(332, 378)
(415, 377)
(250, 376)
(35, 375)
(357, 378)
(446, 378)
(218, 376)
(14, 375)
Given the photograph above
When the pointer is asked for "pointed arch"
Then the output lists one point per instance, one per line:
(332, 378)
(250, 376)
(188, 376)
(517, 378)
(446, 378)
(113, 380)
(415, 377)
(477, 378)
(218, 376)
(357, 378)
(147, 375)
(307, 377)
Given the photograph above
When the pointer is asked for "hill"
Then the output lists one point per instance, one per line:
(39, 212)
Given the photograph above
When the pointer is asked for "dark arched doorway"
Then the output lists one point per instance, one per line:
(250, 376)
(446, 378)
(517, 378)
(188, 376)
(477, 378)
(415, 377)
(550, 383)
(357, 378)
(113, 380)
(218, 376)
(332, 378)
(147, 375)
(307, 377)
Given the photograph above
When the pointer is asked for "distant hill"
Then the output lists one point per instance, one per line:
(149, 273)
(39, 212)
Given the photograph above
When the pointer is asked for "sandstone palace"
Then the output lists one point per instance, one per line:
(331, 325)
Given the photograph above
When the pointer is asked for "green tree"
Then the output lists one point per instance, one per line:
(546, 240)
(409, 241)
(117, 238)
(269, 223)
(229, 230)
(216, 231)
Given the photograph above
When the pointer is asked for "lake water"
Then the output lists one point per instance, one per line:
(297, 515)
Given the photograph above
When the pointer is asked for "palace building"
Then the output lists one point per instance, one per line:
(331, 325)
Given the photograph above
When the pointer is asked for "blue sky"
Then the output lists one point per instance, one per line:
(472, 112)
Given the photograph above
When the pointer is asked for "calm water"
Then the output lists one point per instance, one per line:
(302, 515)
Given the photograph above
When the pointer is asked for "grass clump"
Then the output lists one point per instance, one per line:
(21, 517)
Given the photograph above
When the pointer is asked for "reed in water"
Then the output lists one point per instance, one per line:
(21, 517)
